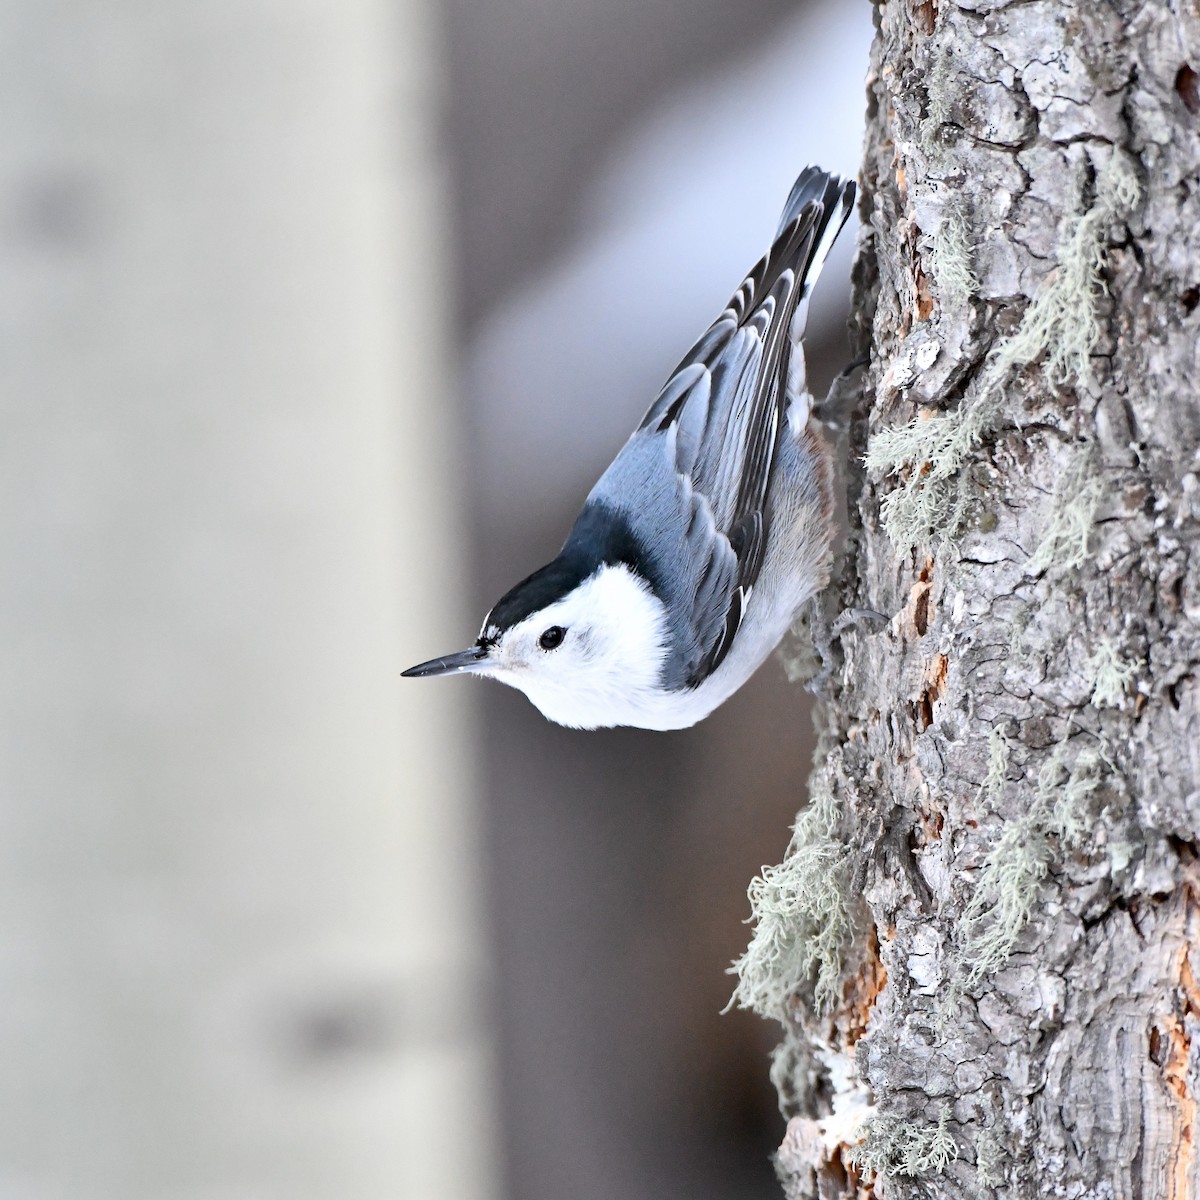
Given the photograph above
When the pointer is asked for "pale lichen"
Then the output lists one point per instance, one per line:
(1058, 817)
(1063, 322)
(892, 1145)
(950, 244)
(1018, 627)
(990, 1157)
(799, 653)
(1004, 896)
(1066, 540)
(1069, 791)
(1111, 675)
(999, 750)
(932, 499)
(939, 93)
(802, 919)
(1060, 328)
(950, 256)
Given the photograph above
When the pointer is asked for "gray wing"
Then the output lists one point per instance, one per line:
(688, 560)
(700, 462)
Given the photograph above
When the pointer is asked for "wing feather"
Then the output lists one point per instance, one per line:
(714, 430)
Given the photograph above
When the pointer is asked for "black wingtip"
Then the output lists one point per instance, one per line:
(849, 191)
(816, 186)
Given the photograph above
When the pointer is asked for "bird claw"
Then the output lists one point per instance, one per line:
(833, 410)
(857, 616)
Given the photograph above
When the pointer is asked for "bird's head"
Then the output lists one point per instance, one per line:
(587, 652)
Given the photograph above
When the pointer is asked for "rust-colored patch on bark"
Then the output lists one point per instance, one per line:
(1187, 84)
(924, 298)
(920, 616)
(1171, 1049)
(932, 821)
(861, 992)
(935, 677)
(913, 619)
(862, 1189)
(931, 692)
(819, 1145)
(806, 1148)
(925, 16)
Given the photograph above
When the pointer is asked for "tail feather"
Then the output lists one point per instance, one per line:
(813, 184)
(833, 199)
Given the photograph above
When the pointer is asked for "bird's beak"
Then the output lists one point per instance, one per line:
(474, 659)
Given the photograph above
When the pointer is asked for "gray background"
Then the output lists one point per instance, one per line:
(320, 317)
(617, 168)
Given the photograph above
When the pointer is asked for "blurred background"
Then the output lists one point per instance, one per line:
(320, 317)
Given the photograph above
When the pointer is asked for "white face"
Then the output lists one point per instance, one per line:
(606, 663)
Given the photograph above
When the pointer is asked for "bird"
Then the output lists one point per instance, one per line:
(711, 528)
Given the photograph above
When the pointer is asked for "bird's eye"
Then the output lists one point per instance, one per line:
(552, 638)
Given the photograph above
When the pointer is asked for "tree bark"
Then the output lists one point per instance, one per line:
(984, 941)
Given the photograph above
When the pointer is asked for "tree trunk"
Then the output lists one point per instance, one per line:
(983, 942)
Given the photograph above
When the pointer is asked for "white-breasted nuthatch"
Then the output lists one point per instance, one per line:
(707, 533)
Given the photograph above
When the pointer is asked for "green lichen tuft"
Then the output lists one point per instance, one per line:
(1065, 543)
(1063, 322)
(950, 256)
(932, 500)
(1018, 627)
(950, 246)
(1060, 327)
(1004, 896)
(939, 91)
(894, 1146)
(1068, 791)
(999, 751)
(1058, 818)
(798, 653)
(801, 916)
(1111, 675)
(990, 1157)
